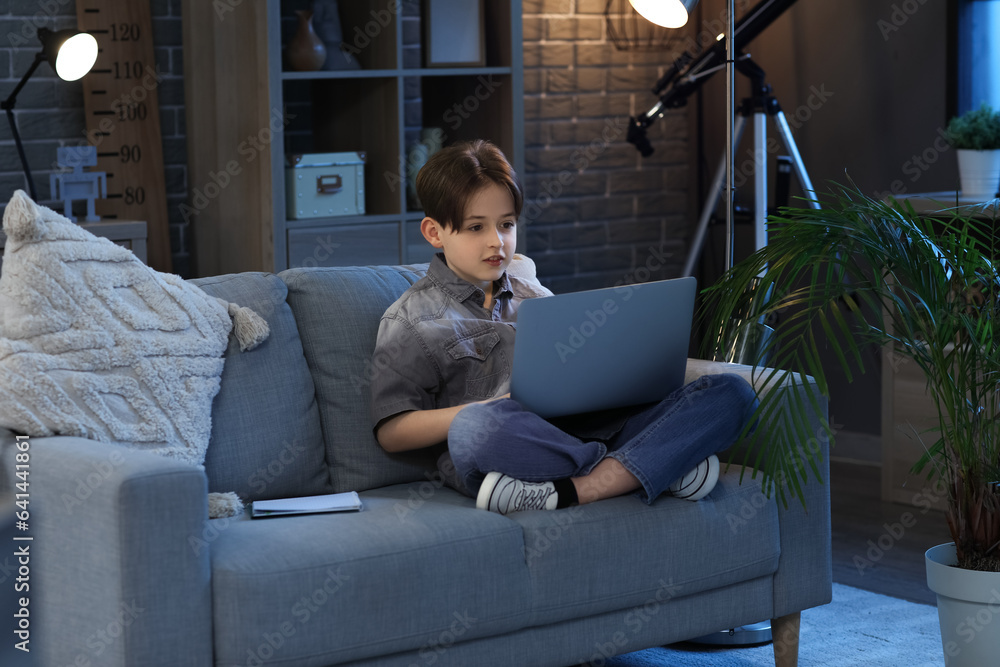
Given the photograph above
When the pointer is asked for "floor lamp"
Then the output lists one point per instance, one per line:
(71, 54)
(681, 80)
(674, 14)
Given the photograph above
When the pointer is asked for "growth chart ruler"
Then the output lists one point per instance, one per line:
(123, 118)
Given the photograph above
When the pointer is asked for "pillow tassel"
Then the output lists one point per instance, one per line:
(250, 328)
(22, 219)
(224, 505)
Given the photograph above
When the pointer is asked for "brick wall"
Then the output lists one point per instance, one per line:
(49, 112)
(597, 212)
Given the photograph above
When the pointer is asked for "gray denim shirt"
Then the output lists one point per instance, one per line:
(438, 347)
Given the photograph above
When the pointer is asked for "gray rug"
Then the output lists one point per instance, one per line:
(857, 628)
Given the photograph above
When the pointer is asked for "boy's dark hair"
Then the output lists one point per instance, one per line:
(455, 174)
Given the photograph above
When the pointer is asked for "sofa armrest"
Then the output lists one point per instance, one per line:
(118, 572)
(804, 577)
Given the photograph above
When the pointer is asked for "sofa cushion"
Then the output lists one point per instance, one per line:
(338, 312)
(96, 344)
(586, 560)
(331, 588)
(266, 438)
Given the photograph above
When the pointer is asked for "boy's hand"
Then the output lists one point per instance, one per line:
(420, 428)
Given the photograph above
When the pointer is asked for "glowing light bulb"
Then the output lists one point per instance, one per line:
(666, 13)
(77, 56)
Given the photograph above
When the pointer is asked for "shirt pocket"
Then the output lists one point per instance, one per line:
(483, 361)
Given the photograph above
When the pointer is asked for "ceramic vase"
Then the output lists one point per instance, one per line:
(326, 21)
(968, 609)
(306, 51)
(980, 173)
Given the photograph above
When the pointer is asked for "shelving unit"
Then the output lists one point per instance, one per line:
(246, 114)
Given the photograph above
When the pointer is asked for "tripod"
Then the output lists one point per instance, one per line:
(760, 105)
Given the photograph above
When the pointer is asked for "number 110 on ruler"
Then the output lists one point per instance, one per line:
(123, 119)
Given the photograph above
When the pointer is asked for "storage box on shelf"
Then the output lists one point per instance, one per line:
(321, 185)
(247, 112)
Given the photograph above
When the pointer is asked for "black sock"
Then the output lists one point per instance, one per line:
(566, 493)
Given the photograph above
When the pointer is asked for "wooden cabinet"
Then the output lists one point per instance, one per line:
(907, 414)
(908, 411)
(130, 234)
(246, 112)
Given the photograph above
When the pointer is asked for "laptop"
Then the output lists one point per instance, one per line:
(601, 349)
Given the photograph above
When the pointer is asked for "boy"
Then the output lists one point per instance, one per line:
(455, 329)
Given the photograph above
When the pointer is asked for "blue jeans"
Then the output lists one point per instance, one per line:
(658, 444)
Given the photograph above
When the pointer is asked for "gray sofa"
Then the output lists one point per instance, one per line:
(127, 570)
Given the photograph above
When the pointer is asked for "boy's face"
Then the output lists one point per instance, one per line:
(482, 247)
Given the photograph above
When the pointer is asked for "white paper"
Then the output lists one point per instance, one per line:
(331, 502)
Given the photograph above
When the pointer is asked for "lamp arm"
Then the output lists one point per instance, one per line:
(20, 151)
(8, 106)
(691, 78)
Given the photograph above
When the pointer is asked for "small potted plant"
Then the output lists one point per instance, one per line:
(976, 138)
(860, 271)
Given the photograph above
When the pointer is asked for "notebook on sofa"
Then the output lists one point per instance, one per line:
(601, 349)
(330, 502)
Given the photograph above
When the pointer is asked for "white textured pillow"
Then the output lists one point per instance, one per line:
(96, 344)
(521, 271)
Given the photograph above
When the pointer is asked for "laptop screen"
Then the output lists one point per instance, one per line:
(601, 349)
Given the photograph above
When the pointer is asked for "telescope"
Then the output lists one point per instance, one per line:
(684, 77)
(688, 72)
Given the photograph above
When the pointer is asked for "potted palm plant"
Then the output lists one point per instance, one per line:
(860, 271)
(976, 138)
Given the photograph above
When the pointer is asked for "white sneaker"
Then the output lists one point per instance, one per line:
(503, 494)
(699, 482)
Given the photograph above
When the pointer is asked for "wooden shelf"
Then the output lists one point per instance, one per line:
(372, 74)
(343, 74)
(947, 203)
(341, 220)
(245, 111)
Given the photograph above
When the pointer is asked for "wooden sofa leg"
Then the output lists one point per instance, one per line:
(785, 634)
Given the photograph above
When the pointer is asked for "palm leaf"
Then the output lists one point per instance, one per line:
(859, 272)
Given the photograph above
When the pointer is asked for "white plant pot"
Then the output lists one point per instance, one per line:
(968, 609)
(980, 173)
